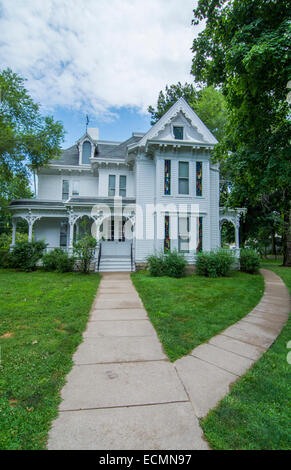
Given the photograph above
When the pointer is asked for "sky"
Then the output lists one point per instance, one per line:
(105, 58)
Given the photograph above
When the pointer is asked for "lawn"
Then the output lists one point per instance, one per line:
(189, 311)
(42, 316)
(256, 413)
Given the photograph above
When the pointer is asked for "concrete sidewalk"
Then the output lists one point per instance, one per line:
(123, 393)
(210, 369)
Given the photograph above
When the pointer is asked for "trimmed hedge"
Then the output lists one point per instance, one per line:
(170, 264)
(216, 263)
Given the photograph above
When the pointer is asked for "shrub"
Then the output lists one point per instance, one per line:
(84, 250)
(174, 264)
(156, 265)
(249, 261)
(58, 260)
(25, 255)
(5, 258)
(171, 264)
(49, 260)
(65, 263)
(215, 263)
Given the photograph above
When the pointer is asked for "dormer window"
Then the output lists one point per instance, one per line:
(86, 153)
(178, 132)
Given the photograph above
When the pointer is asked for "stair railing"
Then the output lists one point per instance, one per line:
(99, 256)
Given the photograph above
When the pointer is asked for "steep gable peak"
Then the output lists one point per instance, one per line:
(179, 115)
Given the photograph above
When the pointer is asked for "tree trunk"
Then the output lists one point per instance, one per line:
(287, 239)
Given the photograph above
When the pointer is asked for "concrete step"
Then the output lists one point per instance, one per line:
(112, 264)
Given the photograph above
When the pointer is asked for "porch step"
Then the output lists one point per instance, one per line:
(116, 263)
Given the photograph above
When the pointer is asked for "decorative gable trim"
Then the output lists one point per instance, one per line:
(181, 106)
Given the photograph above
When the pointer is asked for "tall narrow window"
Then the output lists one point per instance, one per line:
(112, 228)
(200, 233)
(122, 185)
(65, 190)
(198, 178)
(178, 132)
(63, 234)
(75, 189)
(167, 241)
(183, 178)
(86, 153)
(184, 234)
(167, 177)
(111, 185)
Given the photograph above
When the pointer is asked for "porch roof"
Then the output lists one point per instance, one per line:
(72, 202)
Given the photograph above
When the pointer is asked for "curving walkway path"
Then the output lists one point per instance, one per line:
(123, 393)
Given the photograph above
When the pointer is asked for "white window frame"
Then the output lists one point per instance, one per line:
(68, 181)
(186, 237)
(77, 193)
(123, 188)
(111, 195)
(181, 127)
(183, 178)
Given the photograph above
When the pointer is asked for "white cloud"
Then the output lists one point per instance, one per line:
(93, 55)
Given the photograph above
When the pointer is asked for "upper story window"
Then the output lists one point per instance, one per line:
(198, 178)
(65, 190)
(178, 132)
(86, 153)
(183, 177)
(122, 185)
(167, 178)
(111, 185)
(75, 189)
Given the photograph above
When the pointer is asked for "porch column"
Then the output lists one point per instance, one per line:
(30, 225)
(237, 236)
(72, 217)
(14, 225)
(71, 234)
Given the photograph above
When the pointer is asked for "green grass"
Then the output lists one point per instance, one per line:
(189, 311)
(256, 413)
(42, 316)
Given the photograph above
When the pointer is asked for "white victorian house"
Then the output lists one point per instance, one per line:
(147, 194)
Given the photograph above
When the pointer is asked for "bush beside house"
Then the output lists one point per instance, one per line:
(25, 255)
(214, 263)
(171, 264)
(58, 260)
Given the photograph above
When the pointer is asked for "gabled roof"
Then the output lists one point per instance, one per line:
(181, 106)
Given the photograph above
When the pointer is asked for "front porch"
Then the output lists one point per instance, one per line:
(60, 225)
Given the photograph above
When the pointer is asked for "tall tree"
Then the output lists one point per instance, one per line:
(208, 103)
(245, 49)
(28, 140)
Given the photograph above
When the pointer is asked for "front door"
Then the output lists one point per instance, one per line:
(115, 229)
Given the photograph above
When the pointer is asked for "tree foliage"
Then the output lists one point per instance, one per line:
(245, 49)
(26, 138)
(208, 103)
